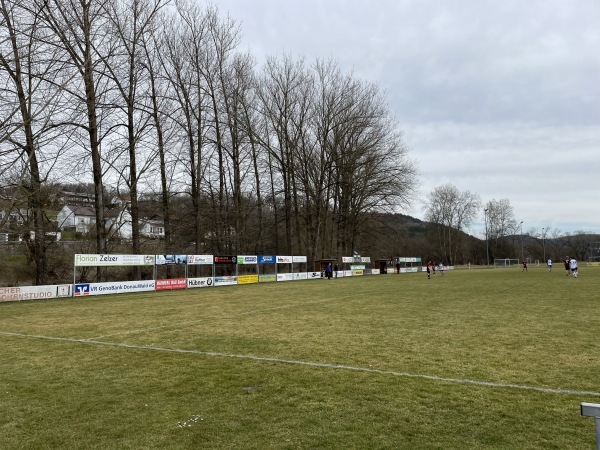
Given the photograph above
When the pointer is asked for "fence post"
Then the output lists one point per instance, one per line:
(593, 410)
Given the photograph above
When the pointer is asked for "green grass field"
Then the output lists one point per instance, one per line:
(478, 359)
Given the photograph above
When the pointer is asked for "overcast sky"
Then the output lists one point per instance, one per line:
(500, 98)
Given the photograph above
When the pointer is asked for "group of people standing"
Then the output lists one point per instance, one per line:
(431, 266)
(571, 266)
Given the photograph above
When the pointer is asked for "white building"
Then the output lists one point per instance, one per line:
(79, 218)
(118, 222)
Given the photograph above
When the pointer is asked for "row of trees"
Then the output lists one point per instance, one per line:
(154, 97)
(452, 212)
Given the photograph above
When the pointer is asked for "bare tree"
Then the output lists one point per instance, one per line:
(160, 109)
(30, 99)
(183, 61)
(129, 22)
(451, 212)
(369, 161)
(501, 224)
(578, 244)
(285, 93)
(78, 27)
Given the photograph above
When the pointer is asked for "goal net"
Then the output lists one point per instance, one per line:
(506, 262)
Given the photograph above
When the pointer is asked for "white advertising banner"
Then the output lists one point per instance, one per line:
(200, 259)
(87, 260)
(226, 280)
(9, 294)
(299, 259)
(301, 275)
(347, 259)
(348, 273)
(313, 275)
(375, 271)
(200, 282)
(285, 276)
(284, 259)
(118, 287)
(365, 259)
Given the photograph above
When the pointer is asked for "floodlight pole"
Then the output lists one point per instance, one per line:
(593, 410)
(544, 244)
(522, 254)
(487, 253)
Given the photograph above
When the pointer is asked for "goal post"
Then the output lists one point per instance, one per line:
(506, 262)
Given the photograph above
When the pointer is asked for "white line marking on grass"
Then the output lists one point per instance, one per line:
(310, 364)
(510, 288)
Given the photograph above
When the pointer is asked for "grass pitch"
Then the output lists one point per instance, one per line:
(477, 359)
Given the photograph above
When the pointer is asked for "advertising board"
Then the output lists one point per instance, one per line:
(88, 260)
(200, 259)
(200, 282)
(170, 284)
(8, 294)
(119, 287)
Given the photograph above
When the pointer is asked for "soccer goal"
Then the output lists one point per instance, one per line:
(506, 262)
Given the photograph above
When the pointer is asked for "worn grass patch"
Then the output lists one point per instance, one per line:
(478, 359)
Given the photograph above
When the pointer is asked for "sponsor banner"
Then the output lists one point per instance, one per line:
(285, 276)
(200, 282)
(284, 259)
(299, 259)
(347, 273)
(171, 283)
(225, 259)
(301, 275)
(375, 271)
(357, 267)
(411, 260)
(313, 275)
(170, 259)
(86, 260)
(247, 259)
(409, 269)
(357, 273)
(338, 274)
(266, 259)
(247, 279)
(119, 287)
(225, 280)
(200, 259)
(9, 294)
(355, 259)
(267, 278)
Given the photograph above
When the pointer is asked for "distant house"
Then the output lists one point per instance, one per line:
(78, 218)
(153, 227)
(15, 216)
(118, 222)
